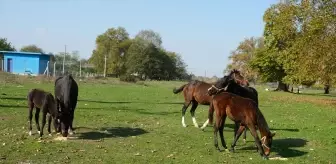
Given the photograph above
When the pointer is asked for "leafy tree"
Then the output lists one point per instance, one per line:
(280, 33)
(114, 44)
(6, 45)
(149, 36)
(32, 48)
(71, 62)
(241, 57)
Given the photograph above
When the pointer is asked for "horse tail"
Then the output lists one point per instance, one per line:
(210, 113)
(176, 91)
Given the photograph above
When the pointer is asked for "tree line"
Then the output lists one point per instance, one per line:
(297, 46)
(142, 56)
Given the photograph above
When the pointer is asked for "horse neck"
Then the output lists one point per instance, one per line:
(262, 124)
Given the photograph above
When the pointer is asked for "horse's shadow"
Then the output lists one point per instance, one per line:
(280, 129)
(110, 133)
(283, 147)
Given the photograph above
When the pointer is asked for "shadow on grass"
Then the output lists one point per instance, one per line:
(127, 102)
(283, 147)
(318, 94)
(14, 98)
(12, 106)
(275, 129)
(111, 133)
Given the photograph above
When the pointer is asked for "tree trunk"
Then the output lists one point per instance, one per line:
(326, 89)
(282, 87)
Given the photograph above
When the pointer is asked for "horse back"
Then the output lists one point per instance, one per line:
(237, 108)
(66, 91)
(40, 98)
(200, 94)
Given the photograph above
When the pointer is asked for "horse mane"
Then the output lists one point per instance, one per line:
(261, 121)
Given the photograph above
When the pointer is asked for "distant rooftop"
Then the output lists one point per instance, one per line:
(26, 53)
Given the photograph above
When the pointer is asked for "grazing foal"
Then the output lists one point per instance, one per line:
(242, 111)
(229, 84)
(41, 100)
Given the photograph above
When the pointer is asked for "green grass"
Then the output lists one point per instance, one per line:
(138, 123)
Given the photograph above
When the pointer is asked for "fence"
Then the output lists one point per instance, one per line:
(75, 69)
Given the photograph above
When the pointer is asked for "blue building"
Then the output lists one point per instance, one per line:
(24, 62)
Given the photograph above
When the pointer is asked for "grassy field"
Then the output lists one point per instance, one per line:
(141, 123)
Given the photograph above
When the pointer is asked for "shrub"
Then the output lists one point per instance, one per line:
(128, 78)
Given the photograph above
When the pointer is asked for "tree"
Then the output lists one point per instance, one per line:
(241, 57)
(280, 33)
(5, 45)
(114, 44)
(32, 48)
(149, 36)
(178, 70)
(71, 64)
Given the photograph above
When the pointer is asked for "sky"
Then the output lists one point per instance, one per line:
(203, 32)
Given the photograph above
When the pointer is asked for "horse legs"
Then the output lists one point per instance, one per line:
(30, 117)
(244, 136)
(257, 141)
(215, 135)
(71, 130)
(192, 112)
(44, 120)
(221, 129)
(49, 124)
(210, 114)
(184, 109)
(238, 134)
(37, 115)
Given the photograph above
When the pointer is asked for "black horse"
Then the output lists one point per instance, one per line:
(42, 100)
(229, 84)
(66, 95)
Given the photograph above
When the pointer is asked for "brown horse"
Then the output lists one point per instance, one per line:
(245, 112)
(196, 92)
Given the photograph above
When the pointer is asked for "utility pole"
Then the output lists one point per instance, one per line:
(64, 57)
(105, 67)
(80, 68)
(55, 69)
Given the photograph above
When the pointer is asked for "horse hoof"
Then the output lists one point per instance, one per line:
(265, 158)
(244, 141)
(227, 150)
(184, 125)
(30, 133)
(232, 150)
(39, 132)
(50, 134)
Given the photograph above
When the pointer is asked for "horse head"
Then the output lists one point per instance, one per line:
(238, 77)
(220, 85)
(266, 142)
(63, 122)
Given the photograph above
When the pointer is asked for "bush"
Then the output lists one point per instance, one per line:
(128, 78)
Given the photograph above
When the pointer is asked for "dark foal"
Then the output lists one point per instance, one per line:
(42, 100)
(195, 93)
(66, 95)
(242, 111)
(229, 84)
